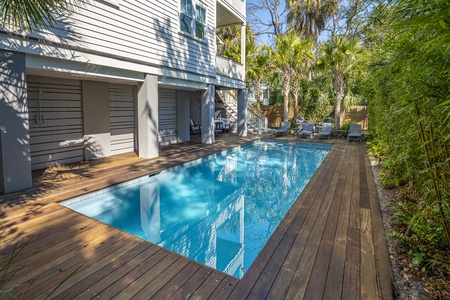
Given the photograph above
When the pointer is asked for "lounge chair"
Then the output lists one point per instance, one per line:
(283, 129)
(325, 131)
(307, 130)
(354, 133)
(194, 127)
(328, 120)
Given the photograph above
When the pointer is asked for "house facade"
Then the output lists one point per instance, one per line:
(114, 76)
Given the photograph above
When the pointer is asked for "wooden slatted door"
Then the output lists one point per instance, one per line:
(122, 126)
(56, 121)
(167, 115)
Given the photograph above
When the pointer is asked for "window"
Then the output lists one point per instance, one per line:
(192, 19)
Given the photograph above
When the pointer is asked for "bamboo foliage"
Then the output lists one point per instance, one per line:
(409, 113)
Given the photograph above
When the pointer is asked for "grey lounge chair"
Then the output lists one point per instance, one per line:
(354, 133)
(325, 131)
(283, 129)
(307, 130)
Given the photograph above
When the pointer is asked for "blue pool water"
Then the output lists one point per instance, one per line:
(219, 210)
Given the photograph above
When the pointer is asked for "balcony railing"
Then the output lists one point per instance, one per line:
(229, 68)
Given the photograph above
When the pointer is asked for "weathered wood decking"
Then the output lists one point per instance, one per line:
(330, 245)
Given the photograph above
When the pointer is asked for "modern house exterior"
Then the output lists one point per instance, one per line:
(114, 76)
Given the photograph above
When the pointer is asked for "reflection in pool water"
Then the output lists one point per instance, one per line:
(219, 210)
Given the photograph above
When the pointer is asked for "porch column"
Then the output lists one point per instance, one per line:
(183, 111)
(243, 38)
(15, 157)
(208, 107)
(242, 113)
(147, 118)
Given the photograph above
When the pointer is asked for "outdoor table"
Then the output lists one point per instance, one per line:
(340, 133)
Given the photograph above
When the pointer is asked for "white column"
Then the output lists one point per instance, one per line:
(242, 113)
(208, 107)
(15, 158)
(147, 118)
(243, 45)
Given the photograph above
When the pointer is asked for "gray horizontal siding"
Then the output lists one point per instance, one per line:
(58, 137)
(142, 30)
(121, 114)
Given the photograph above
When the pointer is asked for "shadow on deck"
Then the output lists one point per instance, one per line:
(330, 245)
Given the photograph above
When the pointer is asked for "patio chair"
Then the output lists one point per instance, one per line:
(283, 129)
(307, 130)
(326, 130)
(194, 127)
(354, 133)
(218, 128)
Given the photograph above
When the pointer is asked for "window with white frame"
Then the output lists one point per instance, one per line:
(192, 18)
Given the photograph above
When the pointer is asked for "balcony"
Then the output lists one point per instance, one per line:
(230, 12)
(228, 68)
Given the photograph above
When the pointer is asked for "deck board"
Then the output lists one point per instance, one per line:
(330, 245)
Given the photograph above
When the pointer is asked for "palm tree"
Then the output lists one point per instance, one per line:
(27, 15)
(308, 17)
(339, 55)
(256, 64)
(302, 57)
(282, 59)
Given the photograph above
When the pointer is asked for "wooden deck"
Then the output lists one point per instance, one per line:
(329, 246)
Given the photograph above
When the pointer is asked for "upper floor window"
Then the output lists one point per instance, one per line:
(192, 18)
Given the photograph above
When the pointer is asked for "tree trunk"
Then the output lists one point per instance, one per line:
(286, 89)
(295, 93)
(258, 93)
(339, 96)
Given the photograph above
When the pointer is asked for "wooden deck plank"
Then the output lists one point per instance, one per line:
(317, 282)
(46, 259)
(383, 265)
(172, 286)
(193, 283)
(92, 264)
(245, 287)
(225, 288)
(304, 220)
(132, 276)
(116, 274)
(165, 275)
(137, 285)
(335, 274)
(317, 251)
(305, 265)
(59, 273)
(210, 284)
(95, 283)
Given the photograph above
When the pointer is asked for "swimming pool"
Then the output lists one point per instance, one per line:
(219, 210)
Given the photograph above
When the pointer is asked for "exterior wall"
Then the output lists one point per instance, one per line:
(56, 121)
(103, 44)
(122, 106)
(97, 138)
(183, 115)
(168, 116)
(143, 31)
(15, 166)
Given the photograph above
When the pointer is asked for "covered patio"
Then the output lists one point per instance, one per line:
(330, 245)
